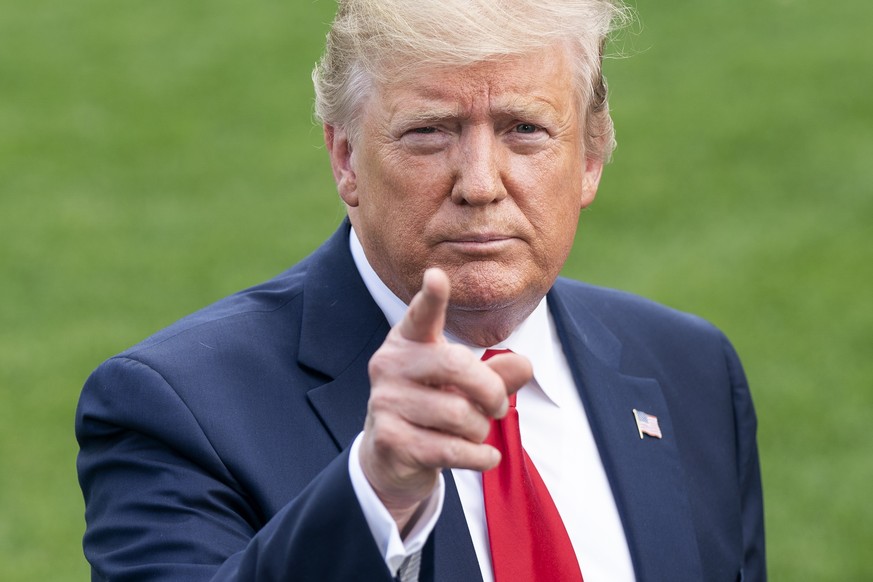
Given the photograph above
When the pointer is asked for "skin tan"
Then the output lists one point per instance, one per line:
(476, 176)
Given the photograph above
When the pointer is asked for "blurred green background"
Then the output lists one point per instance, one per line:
(157, 155)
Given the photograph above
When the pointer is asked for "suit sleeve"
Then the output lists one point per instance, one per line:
(161, 505)
(748, 471)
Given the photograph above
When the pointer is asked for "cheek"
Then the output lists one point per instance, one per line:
(566, 186)
(551, 203)
(398, 201)
(551, 191)
(411, 192)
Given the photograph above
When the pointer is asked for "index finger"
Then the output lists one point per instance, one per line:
(426, 316)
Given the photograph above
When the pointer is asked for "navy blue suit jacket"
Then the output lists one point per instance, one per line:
(217, 449)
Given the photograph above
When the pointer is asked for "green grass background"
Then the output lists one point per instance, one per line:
(157, 155)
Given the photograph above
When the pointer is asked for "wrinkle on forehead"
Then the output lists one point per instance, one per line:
(500, 87)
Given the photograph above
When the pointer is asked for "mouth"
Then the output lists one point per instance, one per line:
(480, 243)
(479, 238)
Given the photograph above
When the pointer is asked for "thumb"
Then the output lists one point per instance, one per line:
(515, 370)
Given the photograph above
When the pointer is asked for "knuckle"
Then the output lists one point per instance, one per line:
(493, 395)
(375, 407)
(456, 413)
(380, 399)
(496, 401)
(455, 360)
(379, 365)
(480, 430)
(451, 453)
(425, 453)
(385, 437)
(391, 398)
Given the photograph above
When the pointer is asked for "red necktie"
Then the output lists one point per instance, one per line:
(529, 542)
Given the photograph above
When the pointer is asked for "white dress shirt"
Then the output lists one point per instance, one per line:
(554, 432)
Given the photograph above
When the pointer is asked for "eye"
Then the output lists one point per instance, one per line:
(526, 128)
(426, 139)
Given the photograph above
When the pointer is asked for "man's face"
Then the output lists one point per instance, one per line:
(480, 171)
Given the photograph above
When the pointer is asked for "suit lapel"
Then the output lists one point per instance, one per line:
(341, 328)
(646, 475)
(454, 554)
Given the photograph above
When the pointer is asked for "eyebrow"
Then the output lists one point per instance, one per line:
(520, 107)
(434, 110)
(426, 115)
(525, 106)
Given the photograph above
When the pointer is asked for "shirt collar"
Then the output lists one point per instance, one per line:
(536, 338)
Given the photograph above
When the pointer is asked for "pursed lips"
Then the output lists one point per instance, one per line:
(480, 238)
(479, 242)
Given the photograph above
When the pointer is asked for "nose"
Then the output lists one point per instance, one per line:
(478, 176)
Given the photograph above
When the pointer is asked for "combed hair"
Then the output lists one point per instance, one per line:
(377, 41)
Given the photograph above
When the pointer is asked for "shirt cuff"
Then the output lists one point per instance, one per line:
(383, 527)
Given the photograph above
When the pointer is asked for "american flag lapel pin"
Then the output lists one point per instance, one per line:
(647, 424)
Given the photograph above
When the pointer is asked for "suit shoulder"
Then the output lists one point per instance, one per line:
(621, 309)
(228, 315)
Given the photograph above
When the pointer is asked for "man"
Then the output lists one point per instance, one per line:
(315, 428)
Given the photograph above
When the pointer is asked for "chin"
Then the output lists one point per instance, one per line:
(491, 291)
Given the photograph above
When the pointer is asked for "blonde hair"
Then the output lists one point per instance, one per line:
(376, 41)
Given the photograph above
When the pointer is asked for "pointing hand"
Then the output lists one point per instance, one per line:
(430, 404)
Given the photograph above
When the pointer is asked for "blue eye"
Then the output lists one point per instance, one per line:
(526, 128)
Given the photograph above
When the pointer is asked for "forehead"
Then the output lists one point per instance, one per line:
(539, 82)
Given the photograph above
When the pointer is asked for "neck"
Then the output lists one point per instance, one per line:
(486, 328)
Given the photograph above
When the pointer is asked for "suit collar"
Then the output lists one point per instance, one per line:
(646, 476)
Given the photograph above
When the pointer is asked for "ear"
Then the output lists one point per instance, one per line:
(590, 180)
(340, 149)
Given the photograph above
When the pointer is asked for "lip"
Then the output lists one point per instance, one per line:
(479, 238)
(480, 243)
